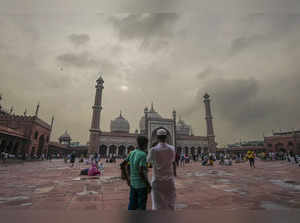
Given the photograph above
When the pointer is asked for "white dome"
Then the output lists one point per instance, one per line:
(120, 124)
(182, 128)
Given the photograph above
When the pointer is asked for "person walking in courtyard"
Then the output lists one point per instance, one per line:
(211, 159)
(177, 158)
(251, 158)
(72, 159)
(162, 158)
(182, 160)
(137, 175)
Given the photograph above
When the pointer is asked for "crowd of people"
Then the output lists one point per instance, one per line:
(163, 159)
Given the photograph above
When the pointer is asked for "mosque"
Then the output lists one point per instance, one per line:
(119, 140)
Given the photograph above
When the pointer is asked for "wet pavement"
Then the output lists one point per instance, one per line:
(44, 185)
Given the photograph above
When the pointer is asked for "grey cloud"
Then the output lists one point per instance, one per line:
(207, 72)
(80, 60)
(264, 29)
(241, 43)
(250, 92)
(79, 39)
(237, 100)
(145, 26)
(251, 103)
(153, 30)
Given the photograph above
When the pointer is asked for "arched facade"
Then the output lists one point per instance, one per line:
(283, 141)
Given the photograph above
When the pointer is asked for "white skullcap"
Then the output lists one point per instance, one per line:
(161, 132)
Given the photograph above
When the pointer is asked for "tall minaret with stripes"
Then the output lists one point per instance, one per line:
(95, 125)
(209, 124)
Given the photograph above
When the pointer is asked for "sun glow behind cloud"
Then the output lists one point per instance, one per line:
(124, 88)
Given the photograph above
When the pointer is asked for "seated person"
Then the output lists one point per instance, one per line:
(93, 171)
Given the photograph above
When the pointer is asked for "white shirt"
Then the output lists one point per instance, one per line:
(162, 157)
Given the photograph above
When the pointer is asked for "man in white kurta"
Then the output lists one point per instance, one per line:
(162, 157)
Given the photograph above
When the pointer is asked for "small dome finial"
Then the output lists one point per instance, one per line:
(206, 96)
(100, 79)
(152, 107)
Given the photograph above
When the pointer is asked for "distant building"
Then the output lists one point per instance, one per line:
(283, 141)
(242, 147)
(65, 146)
(23, 135)
(279, 141)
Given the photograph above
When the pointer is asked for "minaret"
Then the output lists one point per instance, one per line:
(174, 126)
(95, 125)
(52, 121)
(0, 101)
(146, 121)
(209, 124)
(37, 109)
(97, 105)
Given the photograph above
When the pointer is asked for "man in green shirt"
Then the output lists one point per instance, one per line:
(136, 175)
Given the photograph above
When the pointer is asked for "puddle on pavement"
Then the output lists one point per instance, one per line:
(44, 190)
(211, 172)
(179, 185)
(227, 188)
(198, 174)
(86, 192)
(225, 181)
(286, 184)
(180, 206)
(16, 198)
(109, 179)
(86, 178)
(224, 173)
(269, 205)
(59, 168)
(26, 204)
(235, 190)
(61, 183)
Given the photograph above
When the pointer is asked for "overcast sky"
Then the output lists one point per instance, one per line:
(245, 54)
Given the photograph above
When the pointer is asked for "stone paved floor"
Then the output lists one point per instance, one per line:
(44, 185)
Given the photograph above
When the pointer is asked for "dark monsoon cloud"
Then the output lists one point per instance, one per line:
(253, 103)
(237, 100)
(79, 39)
(145, 26)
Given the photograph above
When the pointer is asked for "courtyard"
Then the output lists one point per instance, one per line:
(54, 185)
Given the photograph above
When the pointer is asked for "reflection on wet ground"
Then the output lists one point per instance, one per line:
(55, 186)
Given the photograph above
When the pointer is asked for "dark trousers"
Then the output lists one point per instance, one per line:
(251, 161)
(138, 199)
